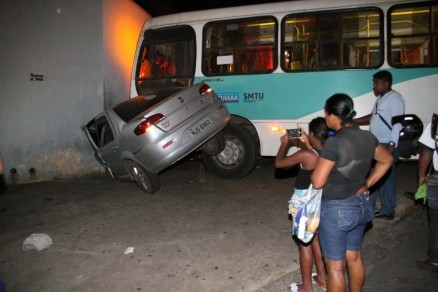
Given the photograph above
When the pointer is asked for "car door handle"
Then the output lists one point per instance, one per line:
(115, 148)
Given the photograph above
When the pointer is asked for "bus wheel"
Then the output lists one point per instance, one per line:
(147, 182)
(215, 145)
(239, 156)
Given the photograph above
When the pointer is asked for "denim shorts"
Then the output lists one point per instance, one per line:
(342, 225)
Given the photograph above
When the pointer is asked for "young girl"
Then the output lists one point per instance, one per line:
(307, 158)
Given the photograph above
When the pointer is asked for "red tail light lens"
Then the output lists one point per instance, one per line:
(205, 89)
(144, 126)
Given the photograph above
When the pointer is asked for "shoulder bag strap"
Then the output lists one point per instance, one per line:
(386, 123)
(380, 116)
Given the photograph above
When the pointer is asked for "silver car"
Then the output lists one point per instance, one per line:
(144, 135)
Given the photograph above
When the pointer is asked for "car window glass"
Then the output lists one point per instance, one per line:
(105, 134)
(91, 129)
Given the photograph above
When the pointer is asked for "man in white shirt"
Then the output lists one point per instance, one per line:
(428, 151)
(389, 103)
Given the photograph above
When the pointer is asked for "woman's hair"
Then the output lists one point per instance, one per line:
(342, 106)
(319, 129)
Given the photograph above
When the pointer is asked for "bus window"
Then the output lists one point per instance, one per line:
(332, 40)
(166, 56)
(243, 46)
(414, 35)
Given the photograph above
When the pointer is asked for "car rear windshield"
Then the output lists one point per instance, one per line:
(131, 108)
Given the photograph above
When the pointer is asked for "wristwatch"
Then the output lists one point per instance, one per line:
(391, 143)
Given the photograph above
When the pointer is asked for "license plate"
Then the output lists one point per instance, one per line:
(200, 127)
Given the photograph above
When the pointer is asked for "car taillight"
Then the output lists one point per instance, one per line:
(144, 126)
(204, 89)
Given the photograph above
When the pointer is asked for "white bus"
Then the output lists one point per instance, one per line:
(276, 64)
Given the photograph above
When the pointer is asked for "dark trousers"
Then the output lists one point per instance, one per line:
(433, 236)
(386, 188)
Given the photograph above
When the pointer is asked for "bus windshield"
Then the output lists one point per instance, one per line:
(167, 59)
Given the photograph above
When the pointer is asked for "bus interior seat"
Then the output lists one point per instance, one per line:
(262, 59)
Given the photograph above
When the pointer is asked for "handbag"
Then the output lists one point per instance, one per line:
(306, 221)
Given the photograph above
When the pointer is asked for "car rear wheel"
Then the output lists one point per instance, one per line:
(148, 182)
(239, 156)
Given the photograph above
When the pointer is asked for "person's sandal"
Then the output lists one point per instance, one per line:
(427, 266)
(293, 287)
(315, 282)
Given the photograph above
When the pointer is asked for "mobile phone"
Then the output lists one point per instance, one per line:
(294, 133)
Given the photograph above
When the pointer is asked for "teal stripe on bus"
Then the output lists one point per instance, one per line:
(294, 95)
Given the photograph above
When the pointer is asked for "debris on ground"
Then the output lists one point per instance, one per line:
(37, 241)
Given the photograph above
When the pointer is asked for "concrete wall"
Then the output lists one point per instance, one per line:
(62, 62)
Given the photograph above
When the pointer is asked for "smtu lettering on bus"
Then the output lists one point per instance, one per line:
(253, 96)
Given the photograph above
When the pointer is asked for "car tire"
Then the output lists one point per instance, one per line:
(148, 182)
(239, 156)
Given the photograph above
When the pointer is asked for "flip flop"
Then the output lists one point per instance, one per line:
(293, 287)
(314, 282)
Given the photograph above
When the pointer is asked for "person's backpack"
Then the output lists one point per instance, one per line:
(412, 128)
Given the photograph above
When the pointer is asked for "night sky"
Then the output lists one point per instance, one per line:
(162, 7)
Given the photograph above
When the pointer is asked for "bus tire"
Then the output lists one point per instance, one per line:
(214, 145)
(239, 156)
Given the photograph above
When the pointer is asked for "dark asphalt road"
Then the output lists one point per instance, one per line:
(198, 233)
(390, 254)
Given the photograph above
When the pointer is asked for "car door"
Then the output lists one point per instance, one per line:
(101, 136)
